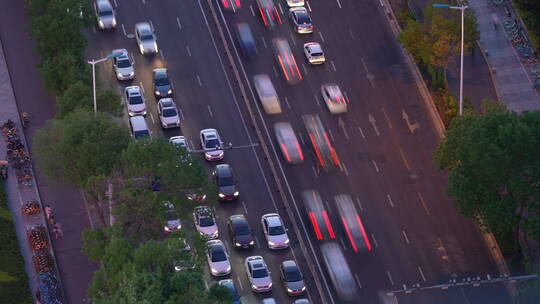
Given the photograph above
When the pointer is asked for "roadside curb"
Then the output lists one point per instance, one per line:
(491, 72)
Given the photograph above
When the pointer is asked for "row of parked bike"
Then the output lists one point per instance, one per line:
(16, 155)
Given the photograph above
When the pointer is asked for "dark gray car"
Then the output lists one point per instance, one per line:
(240, 232)
(162, 83)
(292, 278)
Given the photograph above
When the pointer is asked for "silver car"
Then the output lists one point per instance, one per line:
(172, 220)
(267, 94)
(212, 145)
(292, 278)
(179, 141)
(105, 15)
(168, 113)
(134, 101)
(333, 98)
(339, 271)
(205, 222)
(123, 66)
(146, 39)
(218, 258)
(274, 231)
(258, 274)
(301, 20)
(288, 143)
(295, 3)
(314, 53)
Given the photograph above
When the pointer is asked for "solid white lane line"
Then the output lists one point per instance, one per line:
(152, 118)
(359, 204)
(210, 111)
(423, 203)
(287, 102)
(199, 80)
(123, 29)
(351, 34)
(314, 171)
(181, 114)
(405, 236)
(191, 145)
(317, 99)
(252, 11)
(144, 2)
(361, 132)
(333, 65)
(264, 42)
(188, 50)
(331, 135)
(390, 200)
(346, 97)
(257, 242)
(322, 37)
(422, 274)
(357, 280)
(280, 8)
(387, 119)
(275, 71)
(375, 165)
(404, 159)
(374, 240)
(178, 22)
(161, 55)
(152, 25)
(245, 208)
(132, 58)
(240, 283)
(305, 69)
(343, 243)
(301, 138)
(338, 3)
(115, 4)
(327, 205)
(308, 6)
(293, 40)
(345, 169)
(390, 277)
(142, 86)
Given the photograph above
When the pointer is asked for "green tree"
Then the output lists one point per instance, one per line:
(79, 96)
(79, 146)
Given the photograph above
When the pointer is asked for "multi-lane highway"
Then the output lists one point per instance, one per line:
(385, 141)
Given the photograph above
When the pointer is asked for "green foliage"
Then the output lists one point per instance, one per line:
(529, 11)
(494, 171)
(528, 291)
(79, 96)
(108, 101)
(79, 146)
(14, 288)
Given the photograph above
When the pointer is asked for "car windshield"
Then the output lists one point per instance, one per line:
(260, 273)
(206, 221)
(162, 81)
(218, 255)
(142, 133)
(241, 229)
(105, 12)
(226, 181)
(212, 143)
(133, 100)
(303, 18)
(123, 63)
(171, 215)
(293, 275)
(146, 36)
(169, 112)
(276, 230)
(316, 54)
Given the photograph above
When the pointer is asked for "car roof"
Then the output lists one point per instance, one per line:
(160, 71)
(273, 219)
(209, 133)
(223, 170)
(315, 47)
(289, 264)
(133, 90)
(144, 27)
(138, 123)
(238, 219)
(166, 102)
(104, 5)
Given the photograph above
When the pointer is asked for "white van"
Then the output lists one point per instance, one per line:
(267, 94)
(139, 128)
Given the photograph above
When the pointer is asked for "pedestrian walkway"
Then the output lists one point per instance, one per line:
(511, 77)
(25, 203)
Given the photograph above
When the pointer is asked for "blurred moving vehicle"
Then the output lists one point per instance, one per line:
(224, 179)
(172, 219)
(339, 271)
(314, 53)
(286, 61)
(292, 278)
(301, 20)
(123, 66)
(205, 222)
(168, 113)
(325, 152)
(231, 5)
(211, 144)
(267, 94)
(269, 13)
(218, 258)
(274, 231)
(246, 40)
(352, 224)
(333, 98)
(318, 215)
(295, 3)
(229, 284)
(162, 83)
(288, 143)
(240, 232)
(105, 15)
(258, 274)
(134, 101)
(145, 38)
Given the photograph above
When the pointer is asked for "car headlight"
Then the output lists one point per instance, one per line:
(221, 154)
(158, 93)
(253, 286)
(167, 228)
(155, 46)
(141, 48)
(101, 24)
(271, 243)
(252, 243)
(289, 290)
(236, 193)
(213, 270)
(221, 195)
(169, 91)
(287, 241)
(228, 268)
(238, 244)
(180, 227)
(119, 74)
(303, 288)
(114, 22)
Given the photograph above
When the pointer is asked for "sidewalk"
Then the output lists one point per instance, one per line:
(512, 82)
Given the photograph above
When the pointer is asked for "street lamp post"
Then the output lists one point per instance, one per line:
(93, 63)
(462, 9)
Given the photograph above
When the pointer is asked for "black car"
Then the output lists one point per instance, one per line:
(240, 232)
(246, 40)
(162, 83)
(224, 179)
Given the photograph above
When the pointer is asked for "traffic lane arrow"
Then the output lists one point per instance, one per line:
(412, 127)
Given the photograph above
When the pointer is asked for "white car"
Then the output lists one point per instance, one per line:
(146, 39)
(218, 258)
(105, 15)
(179, 141)
(134, 101)
(168, 113)
(333, 98)
(205, 222)
(258, 274)
(212, 145)
(267, 94)
(274, 231)
(172, 220)
(123, 66)
(295, 3)
(314, 53)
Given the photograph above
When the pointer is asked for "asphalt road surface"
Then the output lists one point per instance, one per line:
(385, 142)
